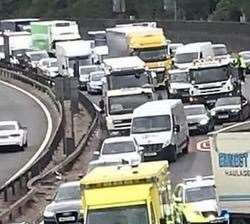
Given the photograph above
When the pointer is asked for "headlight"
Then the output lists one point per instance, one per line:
(235, 110)
(167, 143)
(48, 213)
(204, 121)
(213, 113)
(173, 91)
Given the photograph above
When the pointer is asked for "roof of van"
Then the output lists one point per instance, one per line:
(20, 20)
(129, 91)
(192, 47)
(159, 107)
(122, 63)
(52, 22)
(75, 48)
(135, 29)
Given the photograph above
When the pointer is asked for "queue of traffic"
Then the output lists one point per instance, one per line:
(128, 181)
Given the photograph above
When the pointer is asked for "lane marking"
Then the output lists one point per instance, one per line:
(47, 136)
(204, 145)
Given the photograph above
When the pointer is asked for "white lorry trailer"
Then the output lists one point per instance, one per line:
(14, 41)
(73, 54)
(230, 156)
(45, 34)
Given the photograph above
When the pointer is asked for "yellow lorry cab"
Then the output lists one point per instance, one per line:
(125, 194)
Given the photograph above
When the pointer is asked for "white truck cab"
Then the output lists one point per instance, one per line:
(179, 84)
(210, 80)
(161, 128)
(186, 54)
(69, 53)
(120, 104)
(126, 72)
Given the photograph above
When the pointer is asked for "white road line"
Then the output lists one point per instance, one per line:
(47, 136)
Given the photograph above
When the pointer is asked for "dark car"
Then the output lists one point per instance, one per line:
(235, 108)
(199, 118)
(66, 206)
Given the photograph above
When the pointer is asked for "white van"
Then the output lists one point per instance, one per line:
(161, 128)
(186, 54)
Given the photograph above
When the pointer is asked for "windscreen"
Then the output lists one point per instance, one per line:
(136, 214)
(81, 60)
(38, 56)
(186, 57)
(189, 111)
(126, 104)
(246, 56)
(179, 77)
(118, 147)
(151, 124)
(200, 194)
(89, 69)
(228, 101)
(152, 54)
(97, 76)
(7, 127)
(216, 74)
(218, 51)
(127, 80)
(68, 193)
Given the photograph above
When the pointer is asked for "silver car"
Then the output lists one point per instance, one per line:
(66, 206)
(199, 118)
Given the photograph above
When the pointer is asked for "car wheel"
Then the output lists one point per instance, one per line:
(185, 150)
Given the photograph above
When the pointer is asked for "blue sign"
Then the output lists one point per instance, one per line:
(233, 160)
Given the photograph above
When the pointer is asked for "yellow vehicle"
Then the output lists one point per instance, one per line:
(195, 202)
(147, 42)
(124, 194)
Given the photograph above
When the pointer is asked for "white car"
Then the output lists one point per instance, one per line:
(95, 82)
(33, 57)
(13, 134)
(120, 149)
(49, 67)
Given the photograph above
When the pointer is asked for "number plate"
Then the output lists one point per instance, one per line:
(223, 116)
(67, 219)
(150, 154)
(192, 128)
(211, 101)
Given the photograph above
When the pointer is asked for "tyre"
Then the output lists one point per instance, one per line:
(26, 144)
(172, 154)
(185, 150)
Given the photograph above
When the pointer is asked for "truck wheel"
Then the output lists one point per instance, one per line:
(173, 154)
(185, 150)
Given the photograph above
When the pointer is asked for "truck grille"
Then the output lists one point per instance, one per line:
(152, 148)
(183, 92)
(122, 123)
(160, 77)
(67, 217)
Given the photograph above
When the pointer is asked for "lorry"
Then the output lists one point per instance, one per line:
(45, 34)
(126, 72)
(147, 42)
(14, 41)
(230, 155)
(17, 25)
(119, 105)
(73, 54)
(128, 194)
(211, 79)
(186, 54)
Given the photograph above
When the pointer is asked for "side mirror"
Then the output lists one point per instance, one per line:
(177, 200)
(163, 221)
(140, 149)
(177, 128)
(96, 153)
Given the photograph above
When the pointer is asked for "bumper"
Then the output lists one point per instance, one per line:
(95, 90)
(159, 153)
(119, 132)
(82, 85)
(184, 98)
(209, 100)
(230, 116)
(11, 143)
(197, 127)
